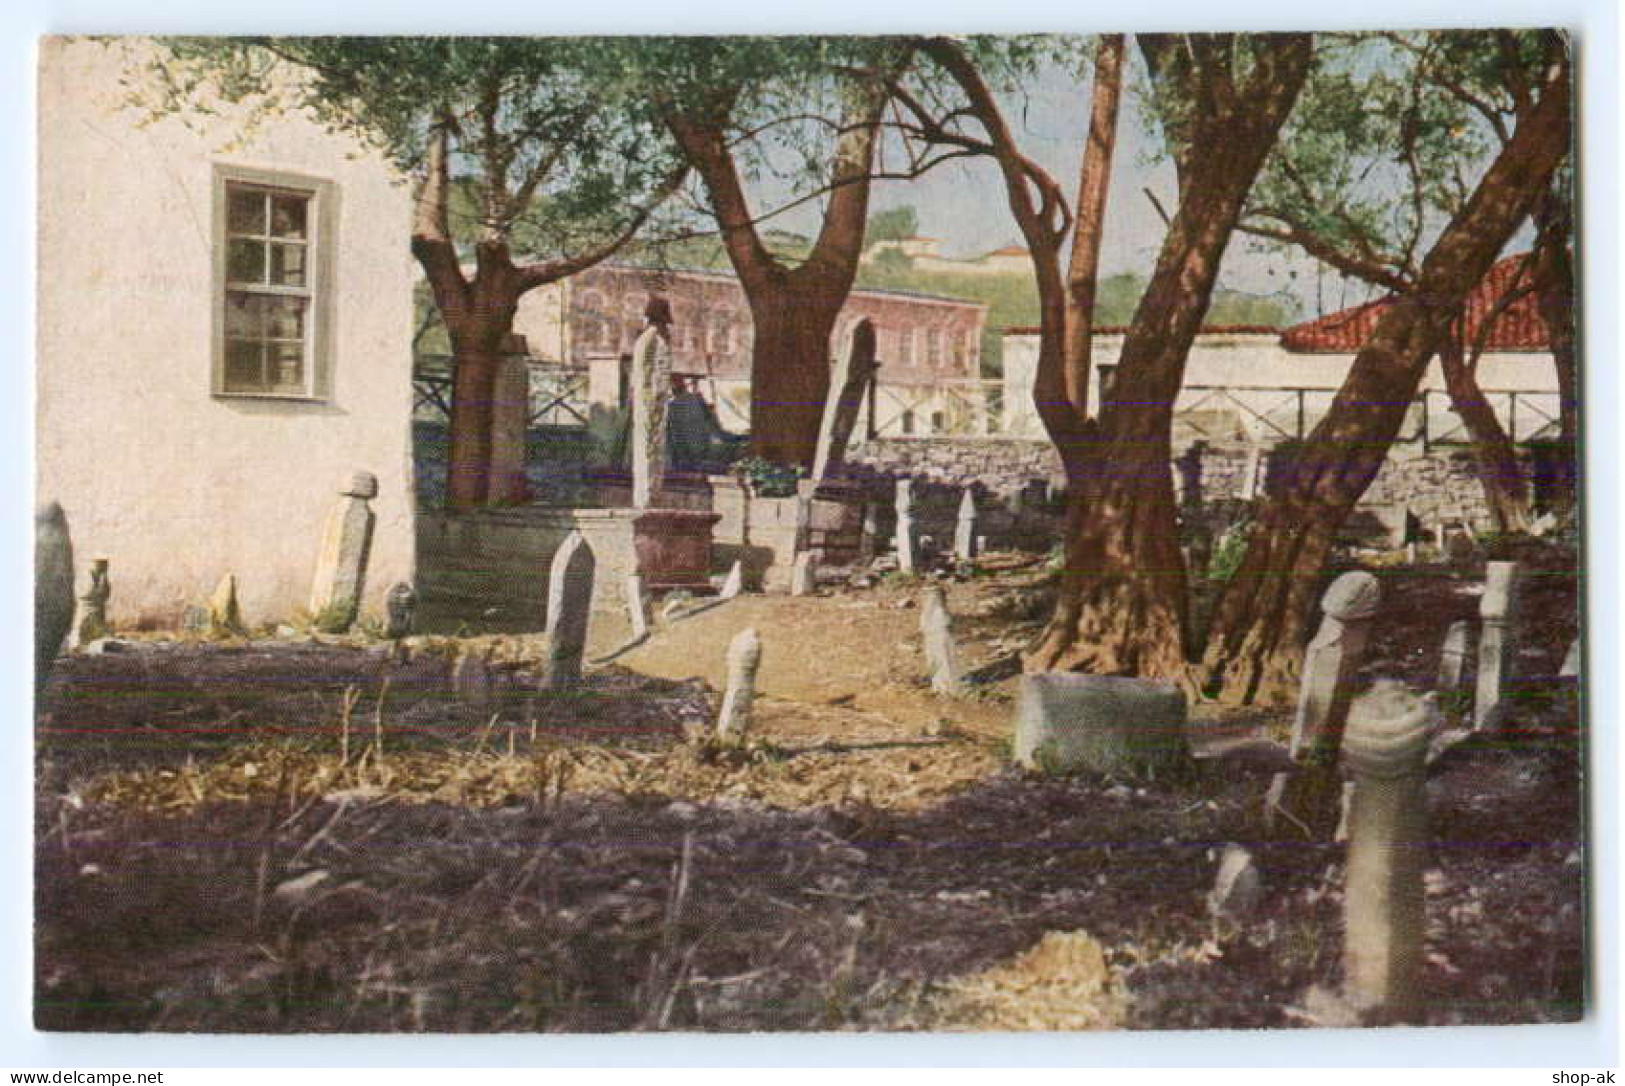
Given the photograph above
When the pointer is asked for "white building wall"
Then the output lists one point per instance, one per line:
(175, 485)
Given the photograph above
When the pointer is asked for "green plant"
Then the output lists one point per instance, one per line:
(767, 479)
(1228, 551)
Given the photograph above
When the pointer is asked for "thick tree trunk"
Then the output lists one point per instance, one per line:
(479, 329)
(1123, 602)
(1554, 299)
(1256, 644)
(1506, 491)
(790, 373)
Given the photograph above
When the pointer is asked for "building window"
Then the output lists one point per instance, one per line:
(272, 239)
(933, 348)
(908, 422)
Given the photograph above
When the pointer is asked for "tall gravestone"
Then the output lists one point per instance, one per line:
(1497, 612)
(341, 564)
(569, 605)
(510, 422)
(637, 606)
(903, 534)
(93, 604)
(1384, 902)
(400, 610)
(1453, 658)
(734, 583)
(744, 658)
(848, 383)
(868, 534)
(53, 586)
(651, 394)
(936, 630)
(965, 527)
(1307, 802)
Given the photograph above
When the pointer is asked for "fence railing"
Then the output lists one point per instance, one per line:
(558, 396)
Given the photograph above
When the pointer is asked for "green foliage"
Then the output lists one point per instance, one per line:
(895, 224)
(767, 479)
(1229, 551)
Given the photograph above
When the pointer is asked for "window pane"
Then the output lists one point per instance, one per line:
(245, 210)
(285, 317)
(245, 261)
(245, 315)
(243, 366)
(287, 366)
(288, 216)
(288, 265)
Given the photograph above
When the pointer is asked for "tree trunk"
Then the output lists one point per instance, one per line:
(1554, 299)
(790, 372)
(1260, 624)
(479, 331)
(1123, 603)
(1506, 491)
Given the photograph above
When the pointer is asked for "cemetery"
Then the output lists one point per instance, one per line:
(820, 725)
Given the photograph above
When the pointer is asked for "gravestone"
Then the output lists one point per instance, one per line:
(569, 605)
(734, 583)
(1108, 724)
(903, 534)
(744, 658)
(868, 535)
(471, 675)
(1453, 657)
(848, 383)
(1384, 905)
(93, 623)
(225, 616)
(1306, 803)
(1497, 638)
(400, 609)
(965, 527)
(1572, 659)
(637, 606)
(510, 424)
(341, 563)
(1237, 888)
(936, 630)
(1251, 471)
(53, 586)
(651, 394)
(804, 574)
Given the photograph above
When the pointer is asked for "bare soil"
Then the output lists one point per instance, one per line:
(321, 836)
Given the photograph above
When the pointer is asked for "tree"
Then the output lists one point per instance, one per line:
(893, 224)
(716, 95)
(545, 138)
(1259, 626)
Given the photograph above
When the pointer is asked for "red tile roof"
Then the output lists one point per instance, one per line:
(1518, 328)
(1122, 329)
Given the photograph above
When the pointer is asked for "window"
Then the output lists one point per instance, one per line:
(933, 348)
(271, 278)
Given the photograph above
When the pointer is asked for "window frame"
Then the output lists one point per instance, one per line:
(320, 246)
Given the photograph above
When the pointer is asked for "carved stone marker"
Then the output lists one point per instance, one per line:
(637, 605)
(965, 527)
(93, 623)
(1497, 638)
(341, 565)
(510, 422)
(1453, 657)
(400, 608)
(868, 535)
(1306, 803)
(734, 583)
(1386, 748)
(651, 395)
(225, 615)
(903, 534)
(1105, 723)
(53, 586)
(471, 676)
(804, 574)
(1237, 887)
(569, 604)
(744, 657)
(1572, 659)
(936, 629)
(848, 383)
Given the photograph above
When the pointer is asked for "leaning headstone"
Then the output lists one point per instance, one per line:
(341, 564)
(804, 574)
(93, 623)
(1453, 657)
(848, 383)
(1237, 888)
(1497, 638)
(734, 584)
(744, 658)
(53, 586)
(1572, 659)
(1104, 723)
(1306, 802)
(225, 615)
(1251, 471)
(400, 608)
(936, 629)
(965, 527)
(1384, 913)
(903, 534)
(651, 395)
(868, 535)
(471, 676)
(569, 604)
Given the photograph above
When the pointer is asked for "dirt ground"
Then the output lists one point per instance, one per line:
(320, 835)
